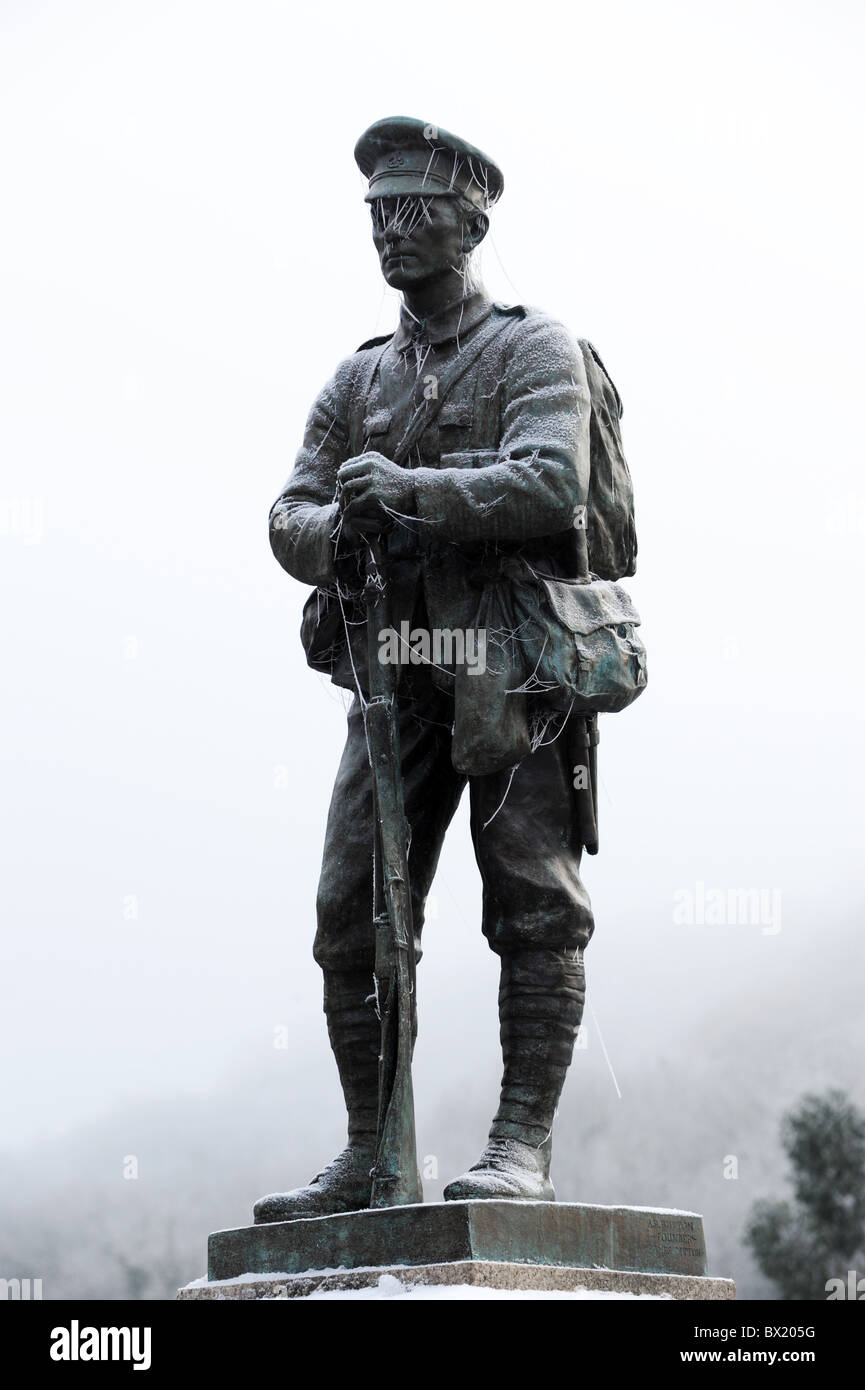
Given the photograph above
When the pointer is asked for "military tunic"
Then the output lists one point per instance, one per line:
(502, 466)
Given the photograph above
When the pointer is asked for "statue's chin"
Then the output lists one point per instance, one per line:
(399, 276)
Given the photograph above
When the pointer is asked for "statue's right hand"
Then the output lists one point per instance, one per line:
(354, 529)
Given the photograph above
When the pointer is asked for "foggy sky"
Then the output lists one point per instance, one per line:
(185, 257)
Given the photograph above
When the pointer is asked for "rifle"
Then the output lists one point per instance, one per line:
(583, 731)
(395, 1176)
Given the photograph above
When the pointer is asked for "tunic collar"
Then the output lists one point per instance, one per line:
(455, 321)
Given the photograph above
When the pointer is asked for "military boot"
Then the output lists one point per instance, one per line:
(541, 998)
(355, 1037)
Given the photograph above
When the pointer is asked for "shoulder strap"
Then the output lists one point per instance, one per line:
(486, 422)
(361, 388)
(460, 365)
(374, 342)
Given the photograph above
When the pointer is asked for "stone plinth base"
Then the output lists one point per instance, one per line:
(528, 1245)
(487, 1274)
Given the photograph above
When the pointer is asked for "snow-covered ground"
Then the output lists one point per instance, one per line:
(390, 1287)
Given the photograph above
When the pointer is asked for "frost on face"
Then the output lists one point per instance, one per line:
(401, 217)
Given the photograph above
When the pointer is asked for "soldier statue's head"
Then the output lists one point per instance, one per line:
(429, 193)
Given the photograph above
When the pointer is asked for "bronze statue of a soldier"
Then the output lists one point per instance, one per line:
(477, 449)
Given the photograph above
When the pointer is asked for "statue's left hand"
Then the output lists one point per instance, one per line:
(369, 487)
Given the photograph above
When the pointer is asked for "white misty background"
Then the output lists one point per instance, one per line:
(184, 256)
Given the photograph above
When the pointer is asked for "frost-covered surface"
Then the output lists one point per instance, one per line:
(658, 1211)
(250, 1278)
(661, 1211)
(390, 1287)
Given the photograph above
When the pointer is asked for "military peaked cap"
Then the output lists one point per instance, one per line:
(403, 156)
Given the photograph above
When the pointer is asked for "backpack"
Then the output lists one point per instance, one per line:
(610, 530)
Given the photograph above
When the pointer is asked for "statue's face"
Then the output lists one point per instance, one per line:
(418, 238)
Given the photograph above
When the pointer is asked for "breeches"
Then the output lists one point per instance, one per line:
(525, 840)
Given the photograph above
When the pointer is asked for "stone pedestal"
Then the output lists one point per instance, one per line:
(513, 1245)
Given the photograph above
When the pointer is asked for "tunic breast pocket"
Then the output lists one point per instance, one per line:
(375, 425)
(455, 426)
